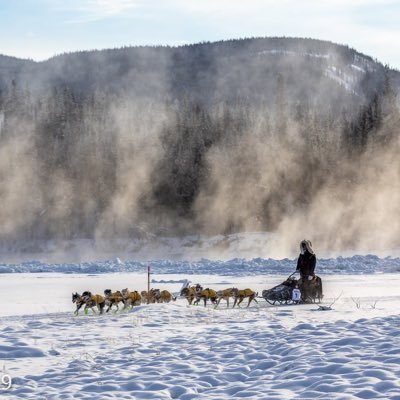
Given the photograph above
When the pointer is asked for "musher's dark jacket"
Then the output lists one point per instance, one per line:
(306, 263)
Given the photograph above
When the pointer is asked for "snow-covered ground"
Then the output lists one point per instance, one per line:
(176, 351)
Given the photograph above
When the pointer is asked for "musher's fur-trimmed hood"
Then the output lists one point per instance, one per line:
(308, 246)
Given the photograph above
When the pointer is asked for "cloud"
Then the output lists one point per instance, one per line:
(94, 10)
(240, 8)
(107, 7)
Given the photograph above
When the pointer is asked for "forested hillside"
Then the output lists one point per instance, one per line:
(274, 134)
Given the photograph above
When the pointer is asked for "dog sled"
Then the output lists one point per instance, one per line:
(295, 291)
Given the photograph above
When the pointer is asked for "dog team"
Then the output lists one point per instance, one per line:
(193, 294)
(125, 296)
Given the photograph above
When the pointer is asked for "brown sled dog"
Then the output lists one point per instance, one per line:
(112, 299)
(93, 300)
(189, 293)
(206, 294)
(162, 296)
(130, 298)
(149, 297)
(242, 294)
(90, 301)
(225, 295)
(146, 297)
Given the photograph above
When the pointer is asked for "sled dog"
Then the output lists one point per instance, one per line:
(131, 298)
(112, 299)
(224, 295)
(93, 300)
(242, 294)
(206, 294)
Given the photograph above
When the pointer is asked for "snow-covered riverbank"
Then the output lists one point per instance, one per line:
(167, 351)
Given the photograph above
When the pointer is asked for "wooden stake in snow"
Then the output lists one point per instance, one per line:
(148, 284)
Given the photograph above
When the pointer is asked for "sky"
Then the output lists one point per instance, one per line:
(40, 29)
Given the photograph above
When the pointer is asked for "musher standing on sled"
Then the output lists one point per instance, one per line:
(306, 265)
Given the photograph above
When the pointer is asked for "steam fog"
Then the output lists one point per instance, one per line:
(288, 150)
(352, 204)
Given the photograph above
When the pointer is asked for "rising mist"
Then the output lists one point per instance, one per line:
(300, 138)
